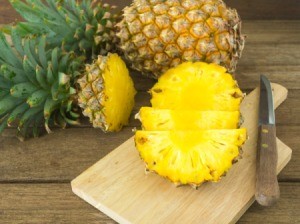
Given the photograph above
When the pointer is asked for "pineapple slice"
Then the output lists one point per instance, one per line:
(163, 119)
(197, 86)
(190, 157)
(107, 93)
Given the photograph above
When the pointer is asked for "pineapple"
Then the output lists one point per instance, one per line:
(85, 27)
(190, 134)
(154, 119)
(190, 157)
(156, 35)
(107, 93)
(36, 85)
(197, 86)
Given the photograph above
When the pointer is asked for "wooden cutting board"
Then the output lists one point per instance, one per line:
(118, 186)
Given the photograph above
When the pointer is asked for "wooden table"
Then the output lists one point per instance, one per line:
(35, 175)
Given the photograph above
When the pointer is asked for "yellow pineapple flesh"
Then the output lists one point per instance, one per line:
(107, 93)
(190, 134)
(154, 119)
(197, 86)
(190, 157)
(157, 35)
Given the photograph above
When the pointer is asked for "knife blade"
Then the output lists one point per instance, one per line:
(267, 188)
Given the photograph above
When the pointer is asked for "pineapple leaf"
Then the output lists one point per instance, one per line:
(41, 77)
(30, 113)
(29, 54)
(42, 52)
(8, 103)
(17, 76)
(63, 63)
(54, 60)
(50, 106)
(55, 91)
(37, 98)
(29, 70)
(17, 112)
(17, 40)
(6, 54)
(28, 12)
(22, 90)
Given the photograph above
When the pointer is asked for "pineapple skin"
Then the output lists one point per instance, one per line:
(157, 35)
(153, 119)
(197, 86)
(107, 93)
(190, 157)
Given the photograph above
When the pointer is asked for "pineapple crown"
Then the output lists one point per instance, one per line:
(36, 84)
(85, 27)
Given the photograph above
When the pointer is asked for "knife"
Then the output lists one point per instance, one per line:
(267, 188)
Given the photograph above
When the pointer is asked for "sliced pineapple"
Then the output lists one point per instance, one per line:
(163, 119)
(107, 93)
(197, 86)
(190, 157)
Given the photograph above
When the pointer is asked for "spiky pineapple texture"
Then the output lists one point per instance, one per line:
(36, 84)
(106, 93)
(155, 35)
(85, 27)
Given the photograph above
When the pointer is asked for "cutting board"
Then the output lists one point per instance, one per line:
(118, 186)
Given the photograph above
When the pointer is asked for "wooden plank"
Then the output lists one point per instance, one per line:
(270, 54)
(50, 203)
(116, 184)
(256, 9)
(267, 9)
(271, 31)
(287, 75)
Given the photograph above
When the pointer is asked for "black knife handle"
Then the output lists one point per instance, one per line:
(267, 188)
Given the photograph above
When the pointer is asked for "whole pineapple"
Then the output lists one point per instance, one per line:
(85, 27)
(36, 84)
(156, 35)
(191, 134)
(106, 93)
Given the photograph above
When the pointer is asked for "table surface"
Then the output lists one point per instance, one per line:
(35, 175)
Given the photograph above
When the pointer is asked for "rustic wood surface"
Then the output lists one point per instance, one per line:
(35, 175)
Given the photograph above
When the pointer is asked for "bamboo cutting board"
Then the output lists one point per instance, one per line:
(118, 186)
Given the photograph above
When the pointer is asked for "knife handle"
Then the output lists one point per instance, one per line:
(267, 188)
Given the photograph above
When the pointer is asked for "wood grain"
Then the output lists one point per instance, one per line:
(55, 203)
(116, 185)
(255, 9)
(267, 189)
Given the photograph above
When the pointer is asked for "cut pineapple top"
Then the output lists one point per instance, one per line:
(107, 93)
(196, 86)
(163, 119)
(119, 91)
(190, 157)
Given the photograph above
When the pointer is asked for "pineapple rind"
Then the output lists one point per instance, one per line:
(107, 93)
(190, 157)
(157, 35)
